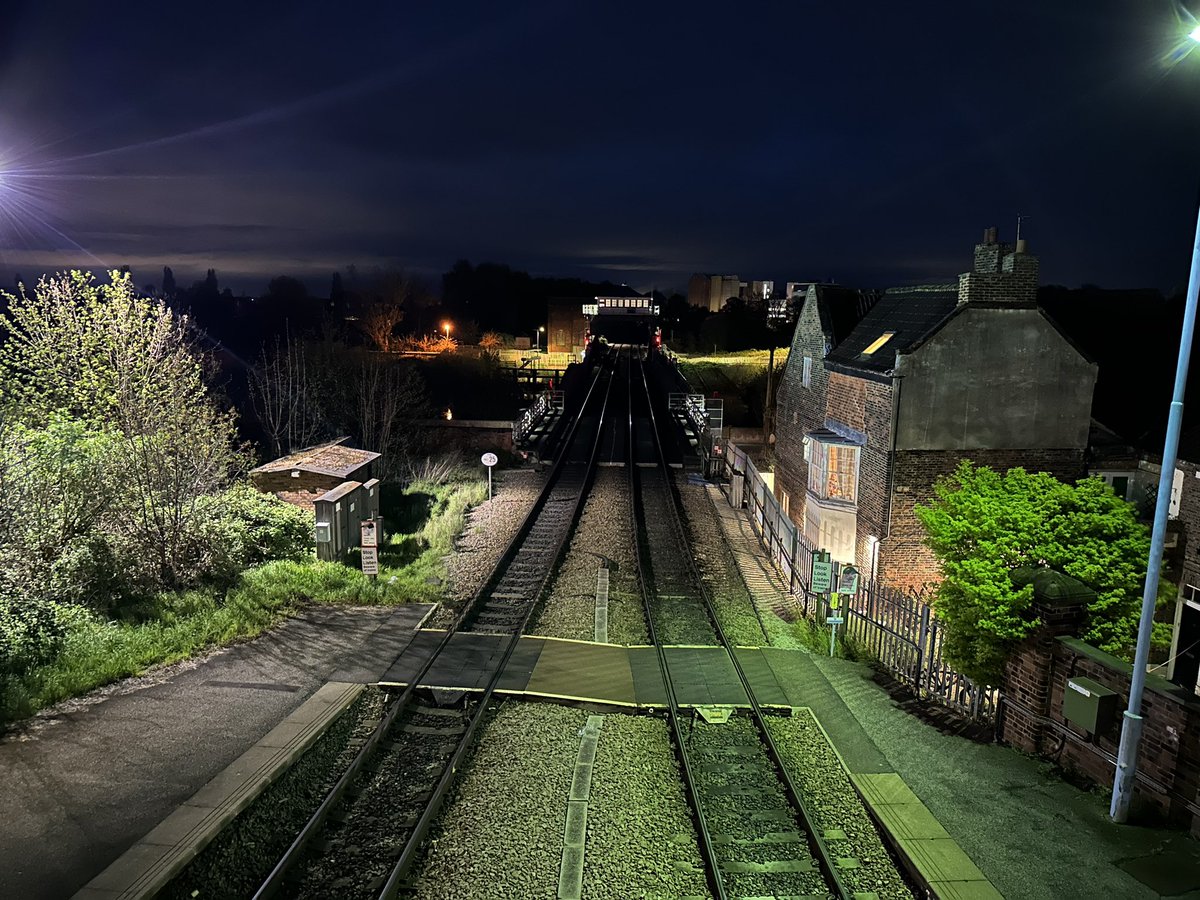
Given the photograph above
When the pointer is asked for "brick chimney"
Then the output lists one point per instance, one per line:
(1002, 274)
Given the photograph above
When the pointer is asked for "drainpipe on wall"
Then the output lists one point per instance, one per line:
(897, 378)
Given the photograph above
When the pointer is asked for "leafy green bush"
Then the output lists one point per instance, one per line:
(50, 651)
(31, 633)
(982, 525)
(243, 527)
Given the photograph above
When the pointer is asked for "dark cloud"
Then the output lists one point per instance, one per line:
(865, 142)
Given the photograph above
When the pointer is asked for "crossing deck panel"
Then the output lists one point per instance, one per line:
(768, 689)
(586, 671)
(647, 676)
(582, 670)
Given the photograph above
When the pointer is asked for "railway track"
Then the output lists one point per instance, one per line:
(756, 835)
(365, 836)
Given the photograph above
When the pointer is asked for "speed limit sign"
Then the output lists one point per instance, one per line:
(489, 460)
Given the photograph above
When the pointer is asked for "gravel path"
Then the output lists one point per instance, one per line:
(833, 802)
(641, 842)
(603, 533)
(489, 528)
(500, 835)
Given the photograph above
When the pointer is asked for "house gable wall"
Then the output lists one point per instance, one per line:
(995, 378)
(799, 409)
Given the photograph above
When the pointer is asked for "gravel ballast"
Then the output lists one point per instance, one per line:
(501, 833)
(731, 600)
(490, 526)
(834, 804)
(602, 537)
(641, 842)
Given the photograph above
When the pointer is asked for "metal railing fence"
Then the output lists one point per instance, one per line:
(896, 629)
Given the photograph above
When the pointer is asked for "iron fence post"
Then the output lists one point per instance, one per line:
(922, 638)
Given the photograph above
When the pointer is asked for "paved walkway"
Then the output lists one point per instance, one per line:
(83, 785)
(1033, 835)
(765, 583)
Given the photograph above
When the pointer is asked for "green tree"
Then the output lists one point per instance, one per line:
(121, 366)
(982, 525)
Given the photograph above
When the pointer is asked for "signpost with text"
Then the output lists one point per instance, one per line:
(489, 460)
(369, 547)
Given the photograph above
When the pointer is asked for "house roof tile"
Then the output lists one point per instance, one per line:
(910, 314)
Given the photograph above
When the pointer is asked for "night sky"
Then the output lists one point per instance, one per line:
(869, 143)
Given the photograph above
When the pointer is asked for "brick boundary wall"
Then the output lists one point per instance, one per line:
(1035, 679)
(905, 561)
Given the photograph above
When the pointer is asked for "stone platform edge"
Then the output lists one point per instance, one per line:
(149, 865)
(926, 850)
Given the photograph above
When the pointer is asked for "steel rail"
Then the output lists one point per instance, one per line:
(404, 862)
(295, 852)
(708, 851)
(816, 840)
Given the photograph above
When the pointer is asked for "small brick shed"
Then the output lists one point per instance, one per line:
(330, 481)
(301, 477)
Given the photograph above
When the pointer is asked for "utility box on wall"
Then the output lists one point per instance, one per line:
(1089, 704)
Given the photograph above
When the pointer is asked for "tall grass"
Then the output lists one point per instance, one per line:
(173, 627)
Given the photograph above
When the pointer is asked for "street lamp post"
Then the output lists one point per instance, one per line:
(446, 328)
(537, 339)
(1131, 729)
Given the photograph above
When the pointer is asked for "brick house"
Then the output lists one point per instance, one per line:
(877, 403)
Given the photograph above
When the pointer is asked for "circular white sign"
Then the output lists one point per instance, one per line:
(489, 459)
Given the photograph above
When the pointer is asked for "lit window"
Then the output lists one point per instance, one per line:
(879, 342)
(833, 471)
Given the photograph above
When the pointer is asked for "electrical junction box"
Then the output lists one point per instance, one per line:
(1089, 704)
(323, 534)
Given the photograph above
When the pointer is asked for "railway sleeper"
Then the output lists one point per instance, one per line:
(770, 867)
(771, 837)
(442, 730)
(439, 712)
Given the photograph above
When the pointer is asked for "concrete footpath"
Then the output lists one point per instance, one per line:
(83, 784)
(1031, 834)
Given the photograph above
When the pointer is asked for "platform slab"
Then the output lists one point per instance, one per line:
(144, 869)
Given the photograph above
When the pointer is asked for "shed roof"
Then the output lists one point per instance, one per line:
(337, 493)
(332, 458)
(910, 314)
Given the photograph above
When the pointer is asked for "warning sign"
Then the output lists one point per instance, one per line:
(370, 560)
(370, 534)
